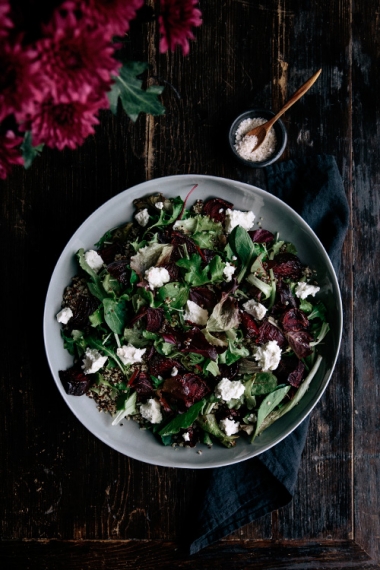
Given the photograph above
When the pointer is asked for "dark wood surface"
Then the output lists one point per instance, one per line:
(69, 501)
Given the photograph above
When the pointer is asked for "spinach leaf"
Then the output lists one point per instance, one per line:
(183, 421)
(114, 314)
(268, 405)
(263, 383)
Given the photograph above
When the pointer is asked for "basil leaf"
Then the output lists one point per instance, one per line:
(114, 314)
(183, 421)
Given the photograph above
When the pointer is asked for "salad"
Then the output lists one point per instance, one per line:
(197, 323)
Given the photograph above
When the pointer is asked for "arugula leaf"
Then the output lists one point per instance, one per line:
(129, 89)
(268, 405)
(183, 421)
(29, 152)
(95, 343)
(95, 285)
(128, 409)
(114, 314)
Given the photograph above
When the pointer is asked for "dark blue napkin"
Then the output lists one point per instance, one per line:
(238, 494)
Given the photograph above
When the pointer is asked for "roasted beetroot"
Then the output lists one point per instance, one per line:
(248, 324)
(299, 342)
(163, 366)
(195, 341)
(268, 332)
(74, 381)
(216, 209)
(187, 389)
(109, 251)
(286, 265)
(118, 269)
(85, 305)
(173, 271)
(290, 370)
(153, 318)
(294, 320)
(285, 298)
(142, 384)
(204, 297)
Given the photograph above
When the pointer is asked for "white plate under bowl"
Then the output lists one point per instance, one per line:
(275, 216)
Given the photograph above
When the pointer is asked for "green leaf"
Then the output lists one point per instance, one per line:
(224, 316)
(95, 285)
(213, 368)
(306, 306)
(263, 383)
(276, 414)
(95, 343)
(321, 334)
(244, 248)
(319, 311)
(176, 293)
(96, 318)
(114, 314)
(183, 421)
(194, 275)
(133, 98)
(135, 337)
(234, 353)
(29, 152)
(209, 424)
(268, 405)
(128, 409)
(216, 268)
(107, 237)
(266, 288)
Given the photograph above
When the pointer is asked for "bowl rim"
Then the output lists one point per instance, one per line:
(279, 126)
(143, 188)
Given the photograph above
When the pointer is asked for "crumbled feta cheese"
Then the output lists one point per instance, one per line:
(142, 217)
(255, 309)
(228, 271)
(268, 355)
(174, 371)
(229, 389)
(129, 354)
(186, 436)
(157, 276)
(159, 205)
(93, 361)
(195, 314)
(303, 290)
(234, 258)
(93, 259)
(237, 218)
(229, 426)
(65, 315)
(151, 411)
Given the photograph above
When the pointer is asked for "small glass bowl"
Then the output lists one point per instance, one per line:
(279, 129)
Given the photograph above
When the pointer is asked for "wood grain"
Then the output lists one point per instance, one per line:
(67, 497)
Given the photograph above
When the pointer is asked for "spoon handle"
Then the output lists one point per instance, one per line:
(297, 95)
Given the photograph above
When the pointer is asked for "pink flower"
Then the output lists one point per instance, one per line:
(65, 123)
(5, 22)
(76, 60)
(113, 16)
(176, 20)
(9, 154)
(19, 79)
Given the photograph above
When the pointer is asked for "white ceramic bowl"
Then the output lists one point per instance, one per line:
(275, 216)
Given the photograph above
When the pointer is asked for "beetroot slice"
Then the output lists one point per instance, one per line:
(84, 307)
(109, 251)
(187, 389)
(212, 209)
(286, 299)
(248, 324)
(204, 297)
(261, 236)
(154, 318)
(141, 383)
(286, 265)
(195, 341)
(294, 320)
(74, 381)
(268, 332)
(295, 377)
(118, 270)
(299, 342)
(162, 366)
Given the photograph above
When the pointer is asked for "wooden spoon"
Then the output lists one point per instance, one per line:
(261, 131)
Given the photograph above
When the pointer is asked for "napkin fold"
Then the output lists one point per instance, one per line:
(241, 493)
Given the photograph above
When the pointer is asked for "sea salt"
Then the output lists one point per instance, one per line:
(244, 144)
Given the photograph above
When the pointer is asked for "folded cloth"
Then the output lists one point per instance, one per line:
(239, 494)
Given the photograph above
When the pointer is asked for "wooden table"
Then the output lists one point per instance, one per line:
(69, 501)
